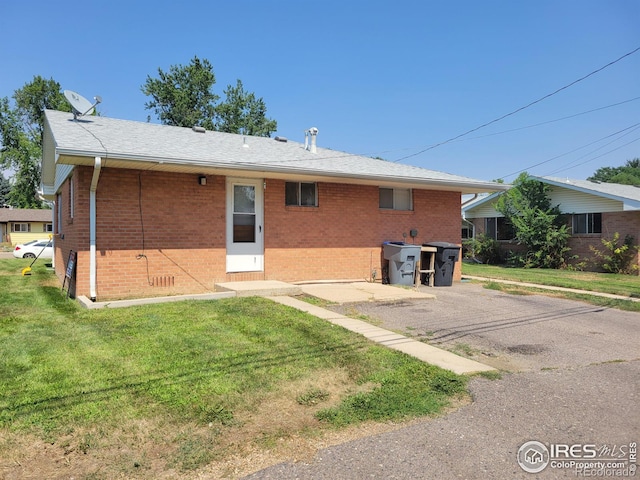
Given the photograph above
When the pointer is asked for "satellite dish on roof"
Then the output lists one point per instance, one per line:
(80, 105)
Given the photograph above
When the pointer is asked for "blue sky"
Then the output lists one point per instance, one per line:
(377, 77)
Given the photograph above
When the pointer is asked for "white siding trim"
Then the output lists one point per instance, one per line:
(62, 173)
(572, 201)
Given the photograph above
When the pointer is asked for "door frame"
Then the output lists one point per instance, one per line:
(245, 256)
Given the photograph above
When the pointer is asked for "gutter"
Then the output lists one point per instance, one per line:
(475, 195)
(92, 228)
(203, 166)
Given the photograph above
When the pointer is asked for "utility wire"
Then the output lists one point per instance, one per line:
(521, 108)
(593, 158)
(553, 121)
(371, 154)
(634, 127)
(569, 165)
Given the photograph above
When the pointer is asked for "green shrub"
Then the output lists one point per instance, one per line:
(616, 258)
(539, 226)
(484, 249)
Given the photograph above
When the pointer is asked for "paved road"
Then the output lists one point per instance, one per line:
(574, 379)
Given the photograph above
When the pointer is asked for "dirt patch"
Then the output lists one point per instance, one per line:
(282, 428)
(301, 447)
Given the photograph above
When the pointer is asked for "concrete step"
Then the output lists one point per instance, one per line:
(262, 288)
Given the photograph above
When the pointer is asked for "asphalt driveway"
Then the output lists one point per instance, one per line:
(573, 378)
(512, 332)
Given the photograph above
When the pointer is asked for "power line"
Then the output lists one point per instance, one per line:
(521, 108)
(632, 128)
(594, 158)
(569, 165)
(555, 120)
(377, 153)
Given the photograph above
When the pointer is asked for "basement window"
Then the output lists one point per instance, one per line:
(585, 223)
(395, 199)
(301, 194)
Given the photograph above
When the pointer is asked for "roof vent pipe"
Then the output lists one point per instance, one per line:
(313, 133)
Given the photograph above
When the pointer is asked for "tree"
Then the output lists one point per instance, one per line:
(5, 188)
(538, 225)
(184, 97)
(243, 113)
(21, 130)
(628, 174)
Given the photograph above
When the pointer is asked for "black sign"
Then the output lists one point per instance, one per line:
(71, 264)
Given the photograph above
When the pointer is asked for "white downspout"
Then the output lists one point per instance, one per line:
(92, 228)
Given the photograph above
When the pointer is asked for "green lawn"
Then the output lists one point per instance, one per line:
(190, 382)
(627, 285)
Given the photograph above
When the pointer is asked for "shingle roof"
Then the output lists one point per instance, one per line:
(24, 215)
(616, 191)
(122, 140)
(629, 195)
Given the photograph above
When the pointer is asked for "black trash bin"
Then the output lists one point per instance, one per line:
(447, 255)
(402, 261)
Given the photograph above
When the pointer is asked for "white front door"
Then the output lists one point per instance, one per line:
(245, 213)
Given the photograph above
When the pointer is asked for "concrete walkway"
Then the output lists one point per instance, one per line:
(358, 292)
(348, 292)
(419, 350)
(351, 292)
(550, 287)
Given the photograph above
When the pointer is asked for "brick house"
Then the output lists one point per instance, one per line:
(157, 210)
(21, 225)
(593, 210)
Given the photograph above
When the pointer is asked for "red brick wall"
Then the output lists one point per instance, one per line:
(625, 223)
(161, 233)
(73, 233)
(342, 237)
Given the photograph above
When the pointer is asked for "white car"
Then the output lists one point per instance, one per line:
(34, 248)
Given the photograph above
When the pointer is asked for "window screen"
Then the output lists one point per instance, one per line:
(395, 198)
(301, 194)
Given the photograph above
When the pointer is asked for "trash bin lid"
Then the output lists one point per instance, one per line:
(441, 245)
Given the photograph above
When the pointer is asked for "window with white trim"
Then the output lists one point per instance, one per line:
(47, 227)
(301, 194)
(585, 223)
(21, 227)
(395, 198)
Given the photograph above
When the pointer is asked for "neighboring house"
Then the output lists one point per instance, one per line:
(21, 225)
(594, 211)
(156, 210)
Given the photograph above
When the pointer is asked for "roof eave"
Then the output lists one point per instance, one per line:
(86, 157)
(628, 203)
